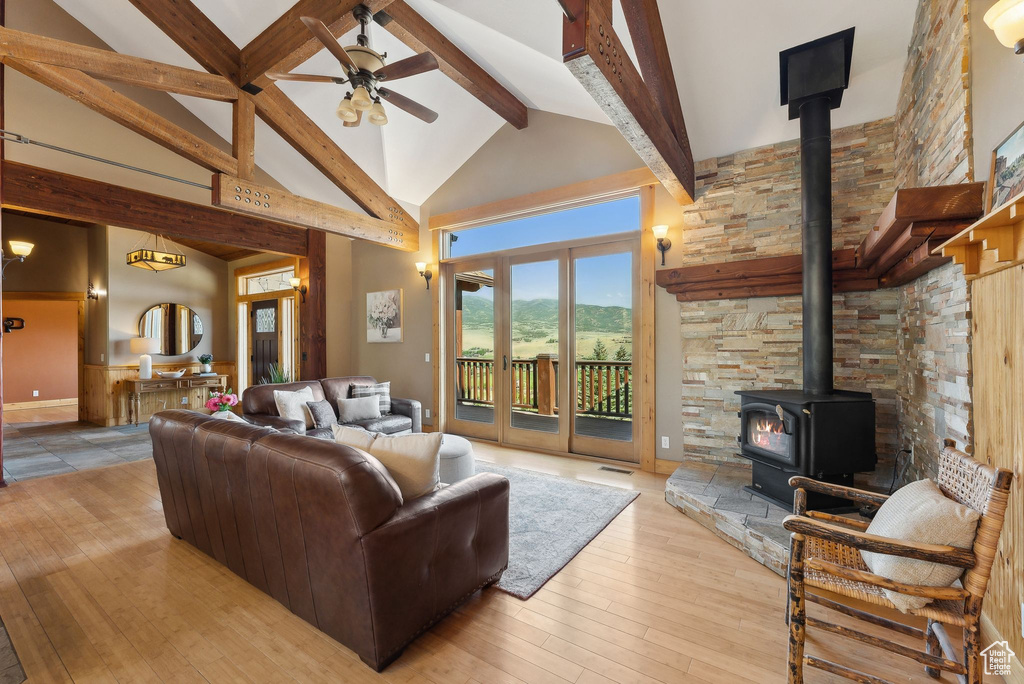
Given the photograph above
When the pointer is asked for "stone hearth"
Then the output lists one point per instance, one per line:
(713, 494)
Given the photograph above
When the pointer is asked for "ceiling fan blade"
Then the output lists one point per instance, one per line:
(417, 64)
(404, 103)
(353, 124)
(309, 78)
(324, 35)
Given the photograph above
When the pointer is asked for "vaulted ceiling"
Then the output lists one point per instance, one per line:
(723, 55)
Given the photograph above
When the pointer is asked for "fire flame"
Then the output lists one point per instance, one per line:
(768, 433)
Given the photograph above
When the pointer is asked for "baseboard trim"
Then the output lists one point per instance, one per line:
(42, 403)
(665, 467)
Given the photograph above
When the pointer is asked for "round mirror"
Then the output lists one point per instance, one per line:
(178, 328)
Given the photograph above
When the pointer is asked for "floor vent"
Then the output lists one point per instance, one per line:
(616, 470)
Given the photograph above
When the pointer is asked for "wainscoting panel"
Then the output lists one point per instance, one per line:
(998, 364)
(106, 394)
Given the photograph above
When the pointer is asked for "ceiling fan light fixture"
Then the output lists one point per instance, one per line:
(378, 116)
(361, 99)
(346, 112)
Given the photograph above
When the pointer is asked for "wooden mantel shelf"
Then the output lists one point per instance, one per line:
(895, 251)
(992, 243)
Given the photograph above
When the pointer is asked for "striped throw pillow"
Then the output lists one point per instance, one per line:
(382, 390)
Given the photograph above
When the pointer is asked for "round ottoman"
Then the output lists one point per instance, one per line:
(456, 459)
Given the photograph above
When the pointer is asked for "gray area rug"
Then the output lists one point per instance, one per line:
(10, 667)
(551, 519)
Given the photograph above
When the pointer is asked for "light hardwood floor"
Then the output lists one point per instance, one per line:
(50, 414)
(93, 588)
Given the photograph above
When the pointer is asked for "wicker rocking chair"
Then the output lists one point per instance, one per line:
(825, 554)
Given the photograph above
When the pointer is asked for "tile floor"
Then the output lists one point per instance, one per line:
(36, 449)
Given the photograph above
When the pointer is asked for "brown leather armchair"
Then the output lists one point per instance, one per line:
(323, 529)
(259, 407)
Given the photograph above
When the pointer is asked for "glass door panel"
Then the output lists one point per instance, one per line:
(472, 335)
(603, 336)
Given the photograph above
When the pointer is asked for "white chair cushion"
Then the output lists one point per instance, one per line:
(292, 405)
(919, 512)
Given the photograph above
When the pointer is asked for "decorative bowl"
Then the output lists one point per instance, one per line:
(171, 374)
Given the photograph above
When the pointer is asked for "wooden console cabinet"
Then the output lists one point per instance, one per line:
(136, 388)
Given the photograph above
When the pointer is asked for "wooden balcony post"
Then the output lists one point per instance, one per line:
(547, 387)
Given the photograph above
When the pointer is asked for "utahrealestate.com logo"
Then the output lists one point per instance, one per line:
(997, 658)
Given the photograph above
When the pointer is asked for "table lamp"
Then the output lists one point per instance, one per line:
(144, 346)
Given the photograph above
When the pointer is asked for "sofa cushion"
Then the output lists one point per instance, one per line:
(323, 413)
(381, 390)
(354, 437)
(412, 460)
(919, 512)
(292, 404)
(259, 399)
(359, 408)
(341, 388)
(389, 425)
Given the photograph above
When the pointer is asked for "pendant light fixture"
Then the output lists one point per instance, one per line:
(157, 257)
(378, 117)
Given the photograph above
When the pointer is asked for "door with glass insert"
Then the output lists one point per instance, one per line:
(473, 385)
(604, 318)
(534, 345)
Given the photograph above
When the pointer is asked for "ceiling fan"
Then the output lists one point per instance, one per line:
(365, 69)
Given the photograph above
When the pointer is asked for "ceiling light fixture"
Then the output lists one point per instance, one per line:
(1006, 19)
(155, 258)
(20, 249)
(365, 69)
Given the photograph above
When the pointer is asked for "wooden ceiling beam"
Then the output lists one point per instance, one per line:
(299, 131)
(105, 100)
(113, 66)
(237, 194)
(243, 135)
(412, 29)
(52, 193)
(648, 34)
(596, 57)
(287, 43)
(194, 33)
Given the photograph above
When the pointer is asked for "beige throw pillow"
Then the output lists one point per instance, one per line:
(355, 410)
(919, 512)
(292, 405)
(414, 461)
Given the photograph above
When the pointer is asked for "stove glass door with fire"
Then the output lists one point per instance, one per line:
(770, 432)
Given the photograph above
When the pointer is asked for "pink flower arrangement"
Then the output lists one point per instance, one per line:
(221, 401)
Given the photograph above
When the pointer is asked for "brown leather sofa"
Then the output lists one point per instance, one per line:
(259, 407)
(323, 529)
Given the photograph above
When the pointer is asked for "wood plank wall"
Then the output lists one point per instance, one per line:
(106, 397)
(998, 364)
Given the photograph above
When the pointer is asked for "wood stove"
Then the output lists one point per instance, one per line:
(818, 431)
(790, 432)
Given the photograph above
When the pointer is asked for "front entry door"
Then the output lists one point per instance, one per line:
(265, 338)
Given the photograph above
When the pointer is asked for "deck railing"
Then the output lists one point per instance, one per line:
(603, 388)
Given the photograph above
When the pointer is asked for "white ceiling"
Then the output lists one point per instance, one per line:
(724, 55)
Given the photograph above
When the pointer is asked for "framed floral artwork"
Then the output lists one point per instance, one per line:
(384, 316)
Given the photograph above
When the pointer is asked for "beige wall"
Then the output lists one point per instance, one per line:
(58, 263)
(200, 285)
(997, 96)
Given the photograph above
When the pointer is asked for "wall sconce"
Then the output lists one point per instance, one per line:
(421, 266)
(664, 244)
(19, 249)
(1006, 19)
(92, 292)
(301, 289)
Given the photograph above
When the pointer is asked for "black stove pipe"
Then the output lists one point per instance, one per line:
(816, 205)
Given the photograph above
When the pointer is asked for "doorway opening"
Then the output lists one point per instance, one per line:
(541, 338)
(267, 324)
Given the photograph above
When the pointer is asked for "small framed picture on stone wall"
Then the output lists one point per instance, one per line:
(1007, 177)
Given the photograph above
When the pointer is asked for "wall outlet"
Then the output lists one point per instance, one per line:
(35, 393)
(664, 442)
(426, 413)
(102, 357)
(426, 357)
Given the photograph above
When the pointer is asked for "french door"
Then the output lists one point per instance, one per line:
(540, 348)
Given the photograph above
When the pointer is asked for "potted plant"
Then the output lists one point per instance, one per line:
(205, 360)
